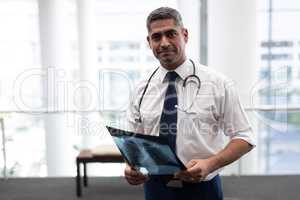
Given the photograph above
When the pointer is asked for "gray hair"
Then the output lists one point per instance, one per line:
(164, 13)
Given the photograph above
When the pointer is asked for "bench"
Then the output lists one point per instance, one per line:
(101, 154)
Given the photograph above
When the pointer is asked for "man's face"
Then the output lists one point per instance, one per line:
(167, 42)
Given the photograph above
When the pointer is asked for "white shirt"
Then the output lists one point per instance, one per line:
(203, 120)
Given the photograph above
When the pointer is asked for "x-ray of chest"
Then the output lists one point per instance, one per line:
(149, 154)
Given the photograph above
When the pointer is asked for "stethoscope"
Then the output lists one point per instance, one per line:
(185, 81)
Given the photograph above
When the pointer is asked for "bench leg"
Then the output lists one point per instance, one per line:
(78, 185)
(85, 179)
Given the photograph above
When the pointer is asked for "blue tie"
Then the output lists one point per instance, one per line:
(168, 120)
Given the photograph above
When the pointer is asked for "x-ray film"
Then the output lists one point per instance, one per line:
(149, 154)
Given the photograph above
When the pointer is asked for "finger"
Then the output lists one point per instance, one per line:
(136, 180)
(189, 179)
(128, 169)
(127, 172)
(136, 176)
(183, 176)
(131, 172)
(191, 163)
(194, 171)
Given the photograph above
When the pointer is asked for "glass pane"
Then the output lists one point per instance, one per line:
(262, 6)
(278, 138)
(279, 142)
(287, 5)
(123, 56)
(24, 145)
(20, 53)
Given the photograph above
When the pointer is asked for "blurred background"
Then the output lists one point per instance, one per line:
(68, 67)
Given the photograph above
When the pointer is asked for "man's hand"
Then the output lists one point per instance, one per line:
(197, 170)
(134, 177)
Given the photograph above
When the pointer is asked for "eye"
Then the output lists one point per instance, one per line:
(156, 37)
(171, 34)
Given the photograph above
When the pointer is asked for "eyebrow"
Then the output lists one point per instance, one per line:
(164, 32)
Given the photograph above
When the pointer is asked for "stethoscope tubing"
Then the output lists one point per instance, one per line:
(184, 84)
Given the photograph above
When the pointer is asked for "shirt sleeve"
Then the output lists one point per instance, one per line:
(235, 123)
(133, 116)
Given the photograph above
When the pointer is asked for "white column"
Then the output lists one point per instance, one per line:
(88, 71)
(232, 49)
(55, 55)
(190, 11)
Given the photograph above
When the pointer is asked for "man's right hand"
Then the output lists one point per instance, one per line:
(134, 177)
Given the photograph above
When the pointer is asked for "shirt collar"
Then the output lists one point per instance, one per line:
(183, 70)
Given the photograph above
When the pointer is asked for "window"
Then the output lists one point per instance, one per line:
(21, 87)
(278, 133)
(20, 54)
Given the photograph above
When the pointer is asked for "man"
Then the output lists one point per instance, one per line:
(195, 123)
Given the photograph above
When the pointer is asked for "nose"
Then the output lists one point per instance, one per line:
(164, 42)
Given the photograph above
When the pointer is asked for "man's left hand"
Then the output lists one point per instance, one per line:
(197, 170)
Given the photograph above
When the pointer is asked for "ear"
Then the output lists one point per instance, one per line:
(148, 39)
(185, 35)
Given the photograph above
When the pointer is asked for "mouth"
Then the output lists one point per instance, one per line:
(165, 53)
